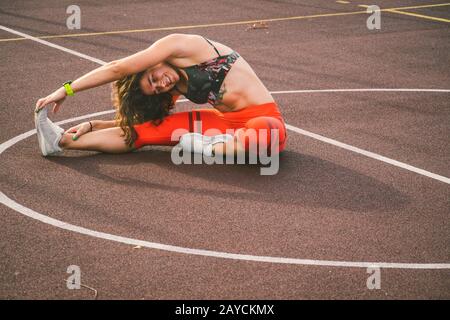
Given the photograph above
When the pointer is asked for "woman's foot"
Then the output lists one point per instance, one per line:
(48, 133)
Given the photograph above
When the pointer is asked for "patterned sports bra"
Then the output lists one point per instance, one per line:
(205, 79)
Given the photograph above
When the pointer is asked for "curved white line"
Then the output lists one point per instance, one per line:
(209, 253)
(370, 154)
(225, 255)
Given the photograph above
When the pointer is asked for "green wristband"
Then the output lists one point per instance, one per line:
(68, 88)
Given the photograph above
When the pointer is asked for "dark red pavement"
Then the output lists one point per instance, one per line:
(326, 203)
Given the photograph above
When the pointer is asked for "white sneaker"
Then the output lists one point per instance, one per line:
(48, 133)
(198, 143)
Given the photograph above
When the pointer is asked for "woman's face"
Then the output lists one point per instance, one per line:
(158, 79)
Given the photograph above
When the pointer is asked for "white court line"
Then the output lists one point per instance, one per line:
(369, 154)
(67, 226)
(209, 253)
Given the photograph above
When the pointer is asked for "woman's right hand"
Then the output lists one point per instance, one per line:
(79, 130)
(56, 97)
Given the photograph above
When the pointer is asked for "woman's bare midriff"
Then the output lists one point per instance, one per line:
(241, 87)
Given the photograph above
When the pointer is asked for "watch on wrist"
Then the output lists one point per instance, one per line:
(68, 88)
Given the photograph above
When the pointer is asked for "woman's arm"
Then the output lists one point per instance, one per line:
(102, 124)
(163, 49)
(89, 126)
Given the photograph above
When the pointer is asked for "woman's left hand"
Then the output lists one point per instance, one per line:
(56, 97)
(80, 129)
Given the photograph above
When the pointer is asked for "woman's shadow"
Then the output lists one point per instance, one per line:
(302, 179)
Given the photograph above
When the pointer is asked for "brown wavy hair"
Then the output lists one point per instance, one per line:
(134, 107)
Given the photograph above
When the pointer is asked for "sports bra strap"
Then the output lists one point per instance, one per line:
(212, 46)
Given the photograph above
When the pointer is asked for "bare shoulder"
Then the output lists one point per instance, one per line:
(185, 43)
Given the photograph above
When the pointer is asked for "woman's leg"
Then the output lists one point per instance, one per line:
(169, 131)
(108, 140)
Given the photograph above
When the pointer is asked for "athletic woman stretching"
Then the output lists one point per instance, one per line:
(145, 88)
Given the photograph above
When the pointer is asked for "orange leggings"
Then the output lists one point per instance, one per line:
(264, 116)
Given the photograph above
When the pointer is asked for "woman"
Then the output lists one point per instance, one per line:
(145, 88)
